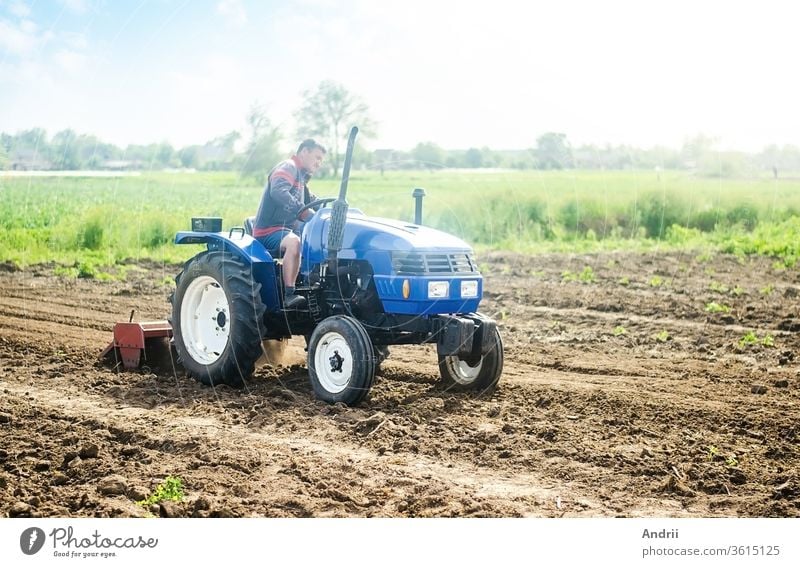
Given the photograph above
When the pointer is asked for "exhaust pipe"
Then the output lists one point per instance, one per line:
(418, 194)
(339, 214)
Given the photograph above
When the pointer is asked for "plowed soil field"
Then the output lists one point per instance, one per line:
(621, 396)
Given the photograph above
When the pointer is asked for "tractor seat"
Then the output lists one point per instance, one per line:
(249, 222)
(248, 225)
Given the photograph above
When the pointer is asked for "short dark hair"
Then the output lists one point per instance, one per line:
(311, 144)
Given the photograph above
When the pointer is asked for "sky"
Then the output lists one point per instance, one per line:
(460, 74)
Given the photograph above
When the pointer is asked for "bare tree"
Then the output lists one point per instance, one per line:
(328, 112)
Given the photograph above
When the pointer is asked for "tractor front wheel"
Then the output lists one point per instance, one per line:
(479, 375)
(217, 319)
(341, 360)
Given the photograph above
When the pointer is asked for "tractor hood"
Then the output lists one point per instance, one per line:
(374, 233)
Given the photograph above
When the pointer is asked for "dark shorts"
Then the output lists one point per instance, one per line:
(272, 242)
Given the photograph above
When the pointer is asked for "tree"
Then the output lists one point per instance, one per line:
(189, 156)
(164, 153)
(262, 150)
(65, 150)
(553, 151)
(328, 113)
(429, 155)
(473, 158)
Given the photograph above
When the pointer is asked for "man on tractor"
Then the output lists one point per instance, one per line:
(276, 225)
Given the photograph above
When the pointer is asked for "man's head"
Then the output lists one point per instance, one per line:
(310, 153)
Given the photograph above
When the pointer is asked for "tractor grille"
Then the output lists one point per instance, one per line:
(414, 263)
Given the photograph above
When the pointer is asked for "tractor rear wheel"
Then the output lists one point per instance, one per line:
(341, 360)
(478, 375)
(217, 319)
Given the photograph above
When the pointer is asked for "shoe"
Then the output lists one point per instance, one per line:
(293, 301)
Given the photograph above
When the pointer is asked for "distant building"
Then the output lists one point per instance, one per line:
(29, 160)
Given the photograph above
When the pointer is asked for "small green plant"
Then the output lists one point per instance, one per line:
(170, 489)
(662, 336)
(767, 289)
(624, 280)
(730, 461)
(718, 287)
(704, 257)
(748, 339)
(86, 270)
(92, 236)
(715, 307)
(586, 276)
(752, 339)
(66, 271)
(713, 451)
(737, 291)
(778, 266)
(620, 330)
(168, 281)
(656, 281)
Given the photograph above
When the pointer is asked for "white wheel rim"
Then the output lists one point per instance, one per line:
(205, 320)
(462, 372)
(333, 362)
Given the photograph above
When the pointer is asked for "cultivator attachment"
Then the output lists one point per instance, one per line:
(133, 341)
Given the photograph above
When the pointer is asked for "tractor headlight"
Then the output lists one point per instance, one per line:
(469, 288)
(438, 290)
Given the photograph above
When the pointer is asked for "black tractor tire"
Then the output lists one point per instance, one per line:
(219, 349)
(341, 360)
(480, 376)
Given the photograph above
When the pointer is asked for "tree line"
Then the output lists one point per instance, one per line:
(326, 114)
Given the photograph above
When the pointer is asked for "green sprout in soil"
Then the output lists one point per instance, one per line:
(718, 287)
(620, 330)
(715, 307)
(752, 339)
(662, 336)
(586, 276)
(170, 489)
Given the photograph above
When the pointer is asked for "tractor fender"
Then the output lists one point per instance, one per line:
(248, 250)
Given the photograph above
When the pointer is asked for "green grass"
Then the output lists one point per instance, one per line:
(102, 221)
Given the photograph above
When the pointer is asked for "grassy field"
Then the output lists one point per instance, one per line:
(103, 221)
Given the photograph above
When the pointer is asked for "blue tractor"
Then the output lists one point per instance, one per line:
(368, 283)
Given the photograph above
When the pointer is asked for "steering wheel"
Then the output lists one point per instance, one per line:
(314, 204)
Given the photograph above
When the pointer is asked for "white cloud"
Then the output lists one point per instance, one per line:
(77, 6)
(20, 39)
(233, 12)
(70, 61)
(19, 9)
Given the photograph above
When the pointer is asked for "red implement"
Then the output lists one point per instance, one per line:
(131, 340)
